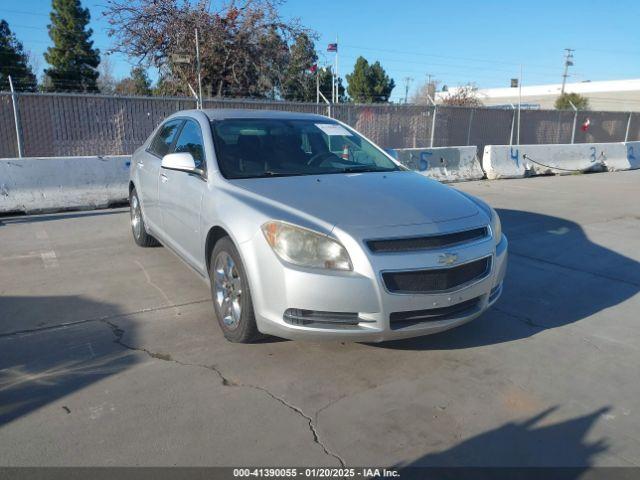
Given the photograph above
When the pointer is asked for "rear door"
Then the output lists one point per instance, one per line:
(181, 196)
(148, 165)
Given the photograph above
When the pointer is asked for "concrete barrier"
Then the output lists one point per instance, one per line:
(504, 161)
(61, 183)
(446, 164)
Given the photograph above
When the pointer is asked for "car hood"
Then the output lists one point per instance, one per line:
(365, 199)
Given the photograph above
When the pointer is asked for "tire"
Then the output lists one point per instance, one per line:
(230, 294)
(138, 228)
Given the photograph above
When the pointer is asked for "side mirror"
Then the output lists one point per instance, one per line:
(182, 162)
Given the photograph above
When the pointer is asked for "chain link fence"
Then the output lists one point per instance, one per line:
(75, 124)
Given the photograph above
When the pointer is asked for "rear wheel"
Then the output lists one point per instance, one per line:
(230, 292)
(140, 235)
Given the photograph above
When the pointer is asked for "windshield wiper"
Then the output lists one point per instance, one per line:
(271, 173)
(365, 168)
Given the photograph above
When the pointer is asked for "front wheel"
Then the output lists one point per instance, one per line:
(230, 292)
(140, 235)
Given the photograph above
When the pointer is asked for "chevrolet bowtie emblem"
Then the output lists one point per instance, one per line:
(447, 258)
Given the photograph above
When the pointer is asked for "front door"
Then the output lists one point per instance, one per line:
(148, 165)
(181, 195)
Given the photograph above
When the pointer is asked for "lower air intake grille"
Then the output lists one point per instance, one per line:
(416, 317)
(297, 316)
(436, 280)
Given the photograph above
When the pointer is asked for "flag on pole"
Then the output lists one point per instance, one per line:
(585, 126)
(332, 47)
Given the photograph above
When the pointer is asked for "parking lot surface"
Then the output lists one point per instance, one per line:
(110, 354)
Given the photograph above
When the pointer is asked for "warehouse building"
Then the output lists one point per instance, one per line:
(610, 95)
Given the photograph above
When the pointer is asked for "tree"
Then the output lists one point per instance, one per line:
(106, 81)
(369, 83)
(137, 84)
(299, 81)
(564, 101)
(242, 43)
(72, 58)
(464, 96)
(14, 61)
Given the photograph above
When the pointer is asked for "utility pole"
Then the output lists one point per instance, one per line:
(199, 72)
(430, 91)
(407, 82)
(568, 62)
(337, 73)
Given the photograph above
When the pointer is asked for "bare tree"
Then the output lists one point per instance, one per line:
(464, 96)
(106, 81)
(243, 43)
(426, 90)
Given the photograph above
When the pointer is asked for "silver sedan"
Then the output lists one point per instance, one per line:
(304, 229)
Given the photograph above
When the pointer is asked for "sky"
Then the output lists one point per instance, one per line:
(483, 42)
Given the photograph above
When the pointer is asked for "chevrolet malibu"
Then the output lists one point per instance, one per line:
(304, 229)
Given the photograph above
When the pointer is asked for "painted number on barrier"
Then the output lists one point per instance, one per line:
(593, 154)
(515, 155)
(424, 161)
(630, 155)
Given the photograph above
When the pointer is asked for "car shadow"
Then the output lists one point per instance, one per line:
(535, 442)
(41, 365)
(556, 276)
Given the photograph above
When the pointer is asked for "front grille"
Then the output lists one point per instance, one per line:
(427, 242)
(437, 279)
(414, 317)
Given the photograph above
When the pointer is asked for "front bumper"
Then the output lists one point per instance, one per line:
(277, 287)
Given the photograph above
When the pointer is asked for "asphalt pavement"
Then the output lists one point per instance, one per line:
(110, 354)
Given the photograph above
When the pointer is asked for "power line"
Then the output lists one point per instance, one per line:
(446, 57)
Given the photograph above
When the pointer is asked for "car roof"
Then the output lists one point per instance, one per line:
(229, 113)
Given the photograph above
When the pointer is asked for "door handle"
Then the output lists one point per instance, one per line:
(164, 178)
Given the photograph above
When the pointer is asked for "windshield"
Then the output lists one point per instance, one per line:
(250, 148)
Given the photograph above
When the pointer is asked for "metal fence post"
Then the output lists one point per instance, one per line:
(16, 117)
(575, 120)
(513, 124)
(433, 124)
(470, 123)
(626, 134)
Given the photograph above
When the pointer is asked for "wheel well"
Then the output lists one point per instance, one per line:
(215, 234)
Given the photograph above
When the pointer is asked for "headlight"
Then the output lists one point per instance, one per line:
(496, 226)
(306, 248)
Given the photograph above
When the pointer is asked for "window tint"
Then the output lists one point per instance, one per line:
(190, 140)
(164, 138)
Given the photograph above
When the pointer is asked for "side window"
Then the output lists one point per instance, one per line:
(161, 143)
(190, 140)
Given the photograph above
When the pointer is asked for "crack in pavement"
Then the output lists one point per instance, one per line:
(225, 381)
(524, 319)
(98, 319)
